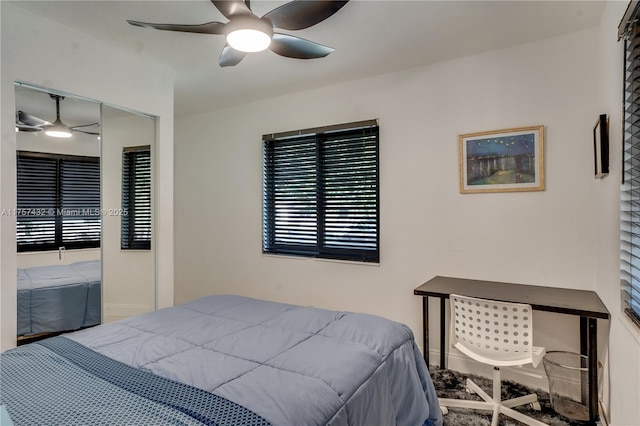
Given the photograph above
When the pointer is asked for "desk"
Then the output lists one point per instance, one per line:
(585, 304)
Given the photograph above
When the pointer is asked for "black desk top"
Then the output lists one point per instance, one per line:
(551, 299)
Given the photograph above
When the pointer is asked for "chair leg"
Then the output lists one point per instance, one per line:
(521, 400)
(521, 417)
(465, 403)
(495, 403)
(496, 415)
(478, 390)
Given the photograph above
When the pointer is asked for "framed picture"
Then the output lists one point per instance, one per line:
(502, 160)
(601, 146)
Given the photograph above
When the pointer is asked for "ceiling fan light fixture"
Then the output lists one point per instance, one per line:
(248, 40)
(58, 133)
(249, 33)
(58, 130)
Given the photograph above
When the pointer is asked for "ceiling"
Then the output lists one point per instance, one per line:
(370, 38)
(73, 111)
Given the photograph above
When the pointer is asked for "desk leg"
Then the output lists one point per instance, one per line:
(584, 351)
(443, 336)
(584, 338)
(425, 329)
(593, 369)
(589, 348)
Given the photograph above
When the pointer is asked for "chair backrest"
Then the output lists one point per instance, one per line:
(492, 330)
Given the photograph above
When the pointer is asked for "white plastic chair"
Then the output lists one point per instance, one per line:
(499, 334)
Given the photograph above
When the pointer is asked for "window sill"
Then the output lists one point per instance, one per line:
(320, 259)
(41, 252)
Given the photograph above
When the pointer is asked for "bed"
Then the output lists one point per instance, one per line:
(58, 297)
(224, 360)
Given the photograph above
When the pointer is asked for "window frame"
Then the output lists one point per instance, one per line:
(350, 236)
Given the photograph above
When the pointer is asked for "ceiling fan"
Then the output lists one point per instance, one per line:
(26, 122)
(245, 32)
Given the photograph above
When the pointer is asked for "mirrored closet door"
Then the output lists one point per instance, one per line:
(84, 212)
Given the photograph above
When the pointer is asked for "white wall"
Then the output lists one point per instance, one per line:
(41, 52)
(32, 259)
(427, 227)
(127, 275)
(80, 144)
(623, 360)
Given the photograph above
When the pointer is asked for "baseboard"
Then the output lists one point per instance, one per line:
(117, 311)
(535, 378)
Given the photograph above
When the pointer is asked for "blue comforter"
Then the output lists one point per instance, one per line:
(288, 364)
(73, 385)
(59, 297)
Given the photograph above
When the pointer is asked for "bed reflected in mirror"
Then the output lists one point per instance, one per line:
(84, 213)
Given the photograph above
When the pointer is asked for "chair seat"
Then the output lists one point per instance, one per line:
(506, 359)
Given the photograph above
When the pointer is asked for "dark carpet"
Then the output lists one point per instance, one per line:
(451, 384)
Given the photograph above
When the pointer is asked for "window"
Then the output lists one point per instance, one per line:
(136, 198)
(321, 194)
(58, 200)
(630, 192)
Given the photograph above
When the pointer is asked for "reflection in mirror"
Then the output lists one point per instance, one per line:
(128, 259)
(58, 216)
(85, 213)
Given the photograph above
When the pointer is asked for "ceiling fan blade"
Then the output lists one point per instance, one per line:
(88, 132)
(85, 131)
(85, 125)
(27, 128)
(31, 120)
(230, 56)
(207, 28)
(295, 47)
(301, 14)
(231, 8)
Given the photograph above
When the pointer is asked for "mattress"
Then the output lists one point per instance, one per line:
(284, 364)
(59, 297)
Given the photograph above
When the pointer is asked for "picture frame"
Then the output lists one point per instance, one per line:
(507, 160)
(601, 146)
